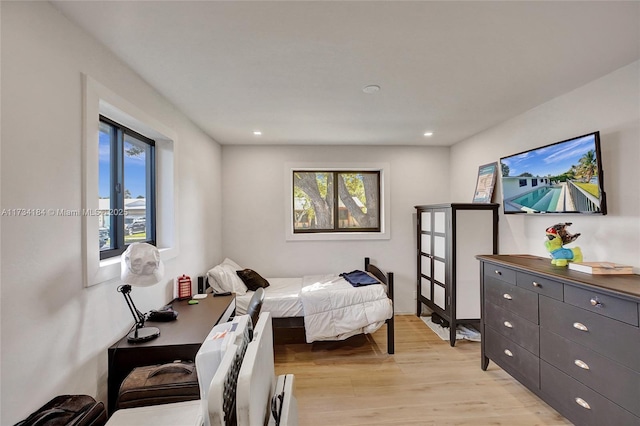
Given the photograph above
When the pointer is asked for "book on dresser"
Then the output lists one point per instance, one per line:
(600, 268)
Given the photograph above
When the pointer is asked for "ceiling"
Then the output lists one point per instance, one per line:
(296, 70)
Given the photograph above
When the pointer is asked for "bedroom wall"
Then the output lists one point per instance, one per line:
(253, 216)
(55, 333)
(611, 105)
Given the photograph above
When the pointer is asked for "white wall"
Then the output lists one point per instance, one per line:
(254, 211)
(55, 333)
(611, 105)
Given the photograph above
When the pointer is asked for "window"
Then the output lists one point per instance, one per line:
(522, 182)
(336, 201)
(126, 188)
(99, 101)
(534, 182)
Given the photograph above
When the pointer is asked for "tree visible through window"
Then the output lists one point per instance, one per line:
(126, 188)
(336, 201)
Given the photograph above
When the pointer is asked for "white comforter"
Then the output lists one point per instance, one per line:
(335, 310)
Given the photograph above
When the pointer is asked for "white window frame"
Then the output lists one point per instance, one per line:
(98, 99)
(385, 219)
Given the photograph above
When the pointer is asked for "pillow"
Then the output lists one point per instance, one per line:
(252, 279)
(222, 278)
(216, 281)
(232, 280)
(228, 261)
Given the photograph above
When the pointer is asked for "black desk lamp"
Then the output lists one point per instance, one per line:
(140, 266)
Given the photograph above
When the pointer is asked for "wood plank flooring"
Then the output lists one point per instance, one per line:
(426, 382)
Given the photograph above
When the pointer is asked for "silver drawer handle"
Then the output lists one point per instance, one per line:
(508, 352)
(508, 324)
(580, 326)
(581, 402)
(535, 284)
(595, 302)
(507, 296)
(498, 272)
(581, 364)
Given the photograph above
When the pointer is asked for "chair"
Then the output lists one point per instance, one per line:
(218, 362)
(255, 305)
(284, 406)
(217, 392)
(257, 382)
(219, 406)
(178, 413)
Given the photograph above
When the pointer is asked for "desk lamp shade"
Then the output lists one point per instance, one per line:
(140, 266)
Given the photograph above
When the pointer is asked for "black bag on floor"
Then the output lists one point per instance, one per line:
(68, 410)
(159, 384)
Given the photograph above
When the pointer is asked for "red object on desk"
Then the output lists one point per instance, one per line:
(184, 287)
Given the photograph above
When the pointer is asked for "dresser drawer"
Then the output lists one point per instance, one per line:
(601, 374)
(515, 299)
(514, 327)
(540, 285)
(580, 404)
(514, 359)
(499, 273)
(606, 336)
(603, 304)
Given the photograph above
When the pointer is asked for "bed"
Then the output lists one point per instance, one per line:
(320, 307)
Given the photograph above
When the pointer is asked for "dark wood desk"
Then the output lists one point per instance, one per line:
(178, 340)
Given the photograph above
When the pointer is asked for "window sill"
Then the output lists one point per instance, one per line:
(109, 269)
(338, 236)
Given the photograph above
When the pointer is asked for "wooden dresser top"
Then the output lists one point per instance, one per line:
(627, 285)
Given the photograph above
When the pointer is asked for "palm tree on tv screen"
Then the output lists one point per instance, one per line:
(587, 166)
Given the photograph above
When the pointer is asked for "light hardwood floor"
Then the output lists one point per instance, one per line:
(426, 382)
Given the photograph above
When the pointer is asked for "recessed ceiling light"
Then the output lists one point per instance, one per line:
(372, 88)
(257, 133)
(427, 134)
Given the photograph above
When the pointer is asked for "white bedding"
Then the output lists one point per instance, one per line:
(332, 308)
(282, 298)
(335, 310)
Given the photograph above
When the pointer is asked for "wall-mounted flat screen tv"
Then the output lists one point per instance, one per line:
(563, 177)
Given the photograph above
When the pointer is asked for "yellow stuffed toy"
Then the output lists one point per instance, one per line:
(557, 237)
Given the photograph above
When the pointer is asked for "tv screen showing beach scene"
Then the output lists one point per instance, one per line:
(564, 177)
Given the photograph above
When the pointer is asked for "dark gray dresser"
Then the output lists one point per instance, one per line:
(571, 338)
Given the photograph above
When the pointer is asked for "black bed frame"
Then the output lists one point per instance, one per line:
(291, 329)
